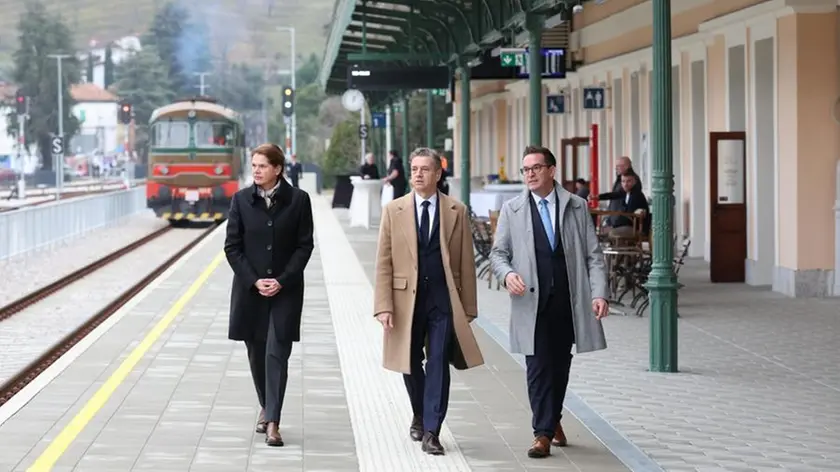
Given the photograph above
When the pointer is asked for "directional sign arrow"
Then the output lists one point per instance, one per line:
(506, 59)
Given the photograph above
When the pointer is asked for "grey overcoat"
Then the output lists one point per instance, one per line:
(513, 250)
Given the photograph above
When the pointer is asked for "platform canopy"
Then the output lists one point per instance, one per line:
(424, 32)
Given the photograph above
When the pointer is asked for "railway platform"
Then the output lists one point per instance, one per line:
(158, 386)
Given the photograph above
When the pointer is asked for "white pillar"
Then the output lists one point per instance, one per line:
(388, 125)
(837, 235)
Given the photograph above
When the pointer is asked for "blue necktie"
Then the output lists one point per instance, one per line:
(546, 221)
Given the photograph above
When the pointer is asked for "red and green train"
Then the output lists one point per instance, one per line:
(197, 158)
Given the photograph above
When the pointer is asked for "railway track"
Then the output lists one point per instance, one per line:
(20, 380)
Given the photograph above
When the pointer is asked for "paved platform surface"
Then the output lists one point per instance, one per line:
(159, 387)
(758, 388)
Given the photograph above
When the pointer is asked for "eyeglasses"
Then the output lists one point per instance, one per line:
(535, 169)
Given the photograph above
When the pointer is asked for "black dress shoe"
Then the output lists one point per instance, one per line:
(416, 430)
(431, 444)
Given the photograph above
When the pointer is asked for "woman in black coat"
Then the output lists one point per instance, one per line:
(268, 245)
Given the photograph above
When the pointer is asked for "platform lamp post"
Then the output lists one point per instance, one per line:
(59, 159)
(293, 74)
(662, 281)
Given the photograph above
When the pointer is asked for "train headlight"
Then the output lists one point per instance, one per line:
(219, 170)
(163, 170)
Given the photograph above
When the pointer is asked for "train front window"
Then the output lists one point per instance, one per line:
(208, 134)
(171, 134)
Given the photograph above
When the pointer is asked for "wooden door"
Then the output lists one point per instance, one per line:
(728, 206)
(569, 159)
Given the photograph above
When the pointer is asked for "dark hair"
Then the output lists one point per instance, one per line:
(394, 153)
(581, 181)
(546, 153)
(426, 152)
(629, 173)
(273, 153)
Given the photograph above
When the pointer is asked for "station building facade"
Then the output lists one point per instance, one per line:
(769, 69)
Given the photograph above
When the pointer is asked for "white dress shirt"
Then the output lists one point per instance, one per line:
(418, 206)
(552, 206)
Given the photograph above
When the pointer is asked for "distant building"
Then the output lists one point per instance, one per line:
(121, 49)
(96, 109)
(8, 144)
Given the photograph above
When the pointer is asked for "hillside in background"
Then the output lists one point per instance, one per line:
(243, 28)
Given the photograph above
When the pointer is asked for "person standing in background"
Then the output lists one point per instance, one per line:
(268, 245)
(396, 174)
(295, 171)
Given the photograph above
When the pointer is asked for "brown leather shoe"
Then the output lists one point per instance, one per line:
(261, 423)
(431, 444)
(416, 430)
(272, 435)
(541, 448)
(559, 436)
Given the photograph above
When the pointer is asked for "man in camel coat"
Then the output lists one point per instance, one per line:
(425, 294)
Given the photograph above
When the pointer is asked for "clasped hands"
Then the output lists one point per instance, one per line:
(268, 287)
(516, 286)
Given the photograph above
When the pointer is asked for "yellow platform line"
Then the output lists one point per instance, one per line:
(60, 444)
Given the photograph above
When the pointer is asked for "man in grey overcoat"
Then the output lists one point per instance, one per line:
(546, 253)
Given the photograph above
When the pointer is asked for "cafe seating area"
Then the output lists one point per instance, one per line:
(628, 256)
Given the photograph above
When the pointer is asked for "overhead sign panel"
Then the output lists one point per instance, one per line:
(363, 77)
(512, 63)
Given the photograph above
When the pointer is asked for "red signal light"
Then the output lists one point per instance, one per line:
(20, 99)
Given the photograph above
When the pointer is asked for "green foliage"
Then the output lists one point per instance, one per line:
(343, 155)
(109, 66)
(167, 26)
(40, 35)
(417, 122)
(248, 22)
(239, 87)
(307, 73)
(144, 81)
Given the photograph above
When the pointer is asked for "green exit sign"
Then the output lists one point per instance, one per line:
(512, 57)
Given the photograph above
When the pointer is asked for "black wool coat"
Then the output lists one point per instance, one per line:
(261, 243)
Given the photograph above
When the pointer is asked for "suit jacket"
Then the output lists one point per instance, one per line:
(396, 279)
(263, 243)
(513, 251)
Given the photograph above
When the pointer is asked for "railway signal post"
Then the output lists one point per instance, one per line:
(288, 116)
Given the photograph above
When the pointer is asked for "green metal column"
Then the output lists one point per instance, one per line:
(430, 117)
(662, 282)
(405, 150)
(535, 24)
(464, 118)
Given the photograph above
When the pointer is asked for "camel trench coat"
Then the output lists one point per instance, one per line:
(396, 279)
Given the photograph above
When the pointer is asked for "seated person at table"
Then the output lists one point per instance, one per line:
(369, 169)
(633, 200)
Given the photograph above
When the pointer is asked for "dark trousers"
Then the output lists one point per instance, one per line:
(269, 361)
(429, 390)
(548, 369)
